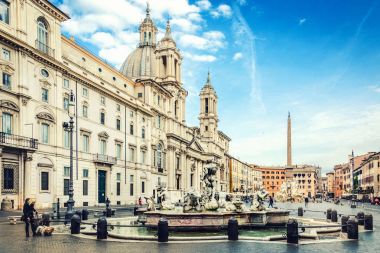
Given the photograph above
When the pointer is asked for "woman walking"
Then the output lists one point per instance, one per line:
(26, 211)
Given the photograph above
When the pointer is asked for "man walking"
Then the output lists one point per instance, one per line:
(270, 202)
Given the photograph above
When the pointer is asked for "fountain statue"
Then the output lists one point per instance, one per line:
(150, 203)
(209, 185)
(289, 191)
(165, 203)
(258, 200)
(192, 202)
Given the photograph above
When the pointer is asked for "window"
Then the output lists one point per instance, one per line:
(8, 179)
(66, 104)
(102, 118)
(139, 95)
(175, 108)
(4, 11)
(143, 133)
(85, 92)
(66, 83)
(131, 129)
(103, 147)
(118, 124)
(7, 123)
(6, 54)
(86, 143)
(85, 111)
(117, 188)
(66, 171)
(206, 105)
(158, 123)
(131, 114)
(85, 173)
(66, 186)
(131, 185)
(42, 35)
(131, 154)
(143, 154)
(118, 151)
(158, 100)
(7, 81)
(44, 181)
(159, 156)
(85, 187)
(142, 187)
(191, 179)
(66, 139)
(45, 95)
(102, 100)
(206, 128)
(118, 107)
(44, 73)
(177, 162)
(45, 133)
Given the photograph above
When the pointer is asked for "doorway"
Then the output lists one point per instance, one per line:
(101, 186)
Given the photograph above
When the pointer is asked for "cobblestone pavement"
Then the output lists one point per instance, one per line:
(12, 239)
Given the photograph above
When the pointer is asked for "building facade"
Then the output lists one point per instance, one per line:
(307, 178)
(130, 131)
(273, 178)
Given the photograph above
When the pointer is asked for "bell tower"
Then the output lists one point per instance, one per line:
(208, 116)
(148, 30)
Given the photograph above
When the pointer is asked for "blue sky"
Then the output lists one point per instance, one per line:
(320, 60)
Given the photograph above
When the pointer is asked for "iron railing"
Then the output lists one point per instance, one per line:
(18, 141)
(45, 48)
(104, 159)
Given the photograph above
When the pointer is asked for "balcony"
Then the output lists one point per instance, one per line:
(105, 159)
(16, 141)
(45, 48)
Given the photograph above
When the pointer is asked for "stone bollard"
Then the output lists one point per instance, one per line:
(233, 229)
(368, 222)
(328, 214)
(300, 211)
(334, 216)
(292, 231)
(79, 213)
(135, 210)
(6, 204)
(163, 230)
(343, 221)
(360, 217)
(46, 219)
(84, 214)
(75, 224)
(352, 228)
(101, 228)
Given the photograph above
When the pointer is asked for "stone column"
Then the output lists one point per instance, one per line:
(1, 169)
(28, 175)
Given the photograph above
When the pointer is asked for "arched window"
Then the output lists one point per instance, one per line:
(143, 132)
(175, 108)
(144, 37)
(150, 37)
(42, 34)
(159, 156)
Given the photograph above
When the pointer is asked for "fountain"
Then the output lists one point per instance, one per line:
(289, 192)
(210, 211)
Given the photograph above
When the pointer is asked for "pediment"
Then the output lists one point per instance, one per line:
(196, 146)
(9, 105)
(45, 116)
(103, 135)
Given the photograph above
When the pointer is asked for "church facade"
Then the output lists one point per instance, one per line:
(130, 132)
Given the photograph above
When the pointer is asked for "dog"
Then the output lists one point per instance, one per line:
(44, 230)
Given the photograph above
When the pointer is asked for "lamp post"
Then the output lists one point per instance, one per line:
(69, 126)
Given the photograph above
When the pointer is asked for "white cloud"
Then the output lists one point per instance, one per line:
(375, 88)
(212, 40)
(301, 21)
(223, 10)
(203, 4)
(237, 56)
(242, 2)
(199, 57)
(185, 25)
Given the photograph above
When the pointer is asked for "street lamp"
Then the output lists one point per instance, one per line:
(69, 126)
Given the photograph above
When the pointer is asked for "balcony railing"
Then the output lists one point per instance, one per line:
(45, 48)
(99, 158)
(16, 141)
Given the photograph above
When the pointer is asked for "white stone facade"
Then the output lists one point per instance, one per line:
(130, 130)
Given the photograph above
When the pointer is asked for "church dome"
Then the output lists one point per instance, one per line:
(140, 63)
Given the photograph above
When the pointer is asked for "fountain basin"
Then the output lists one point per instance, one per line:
(216, 221)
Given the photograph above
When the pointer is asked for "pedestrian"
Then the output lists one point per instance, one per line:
(26, 215)
(140, 201)
(33, 214)
(270, 202)
(306, 201)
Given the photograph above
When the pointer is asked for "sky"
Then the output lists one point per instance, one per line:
(317, 59)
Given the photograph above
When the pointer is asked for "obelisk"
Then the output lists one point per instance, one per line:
(289, 144)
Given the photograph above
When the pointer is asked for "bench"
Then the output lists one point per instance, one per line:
(13, 219)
